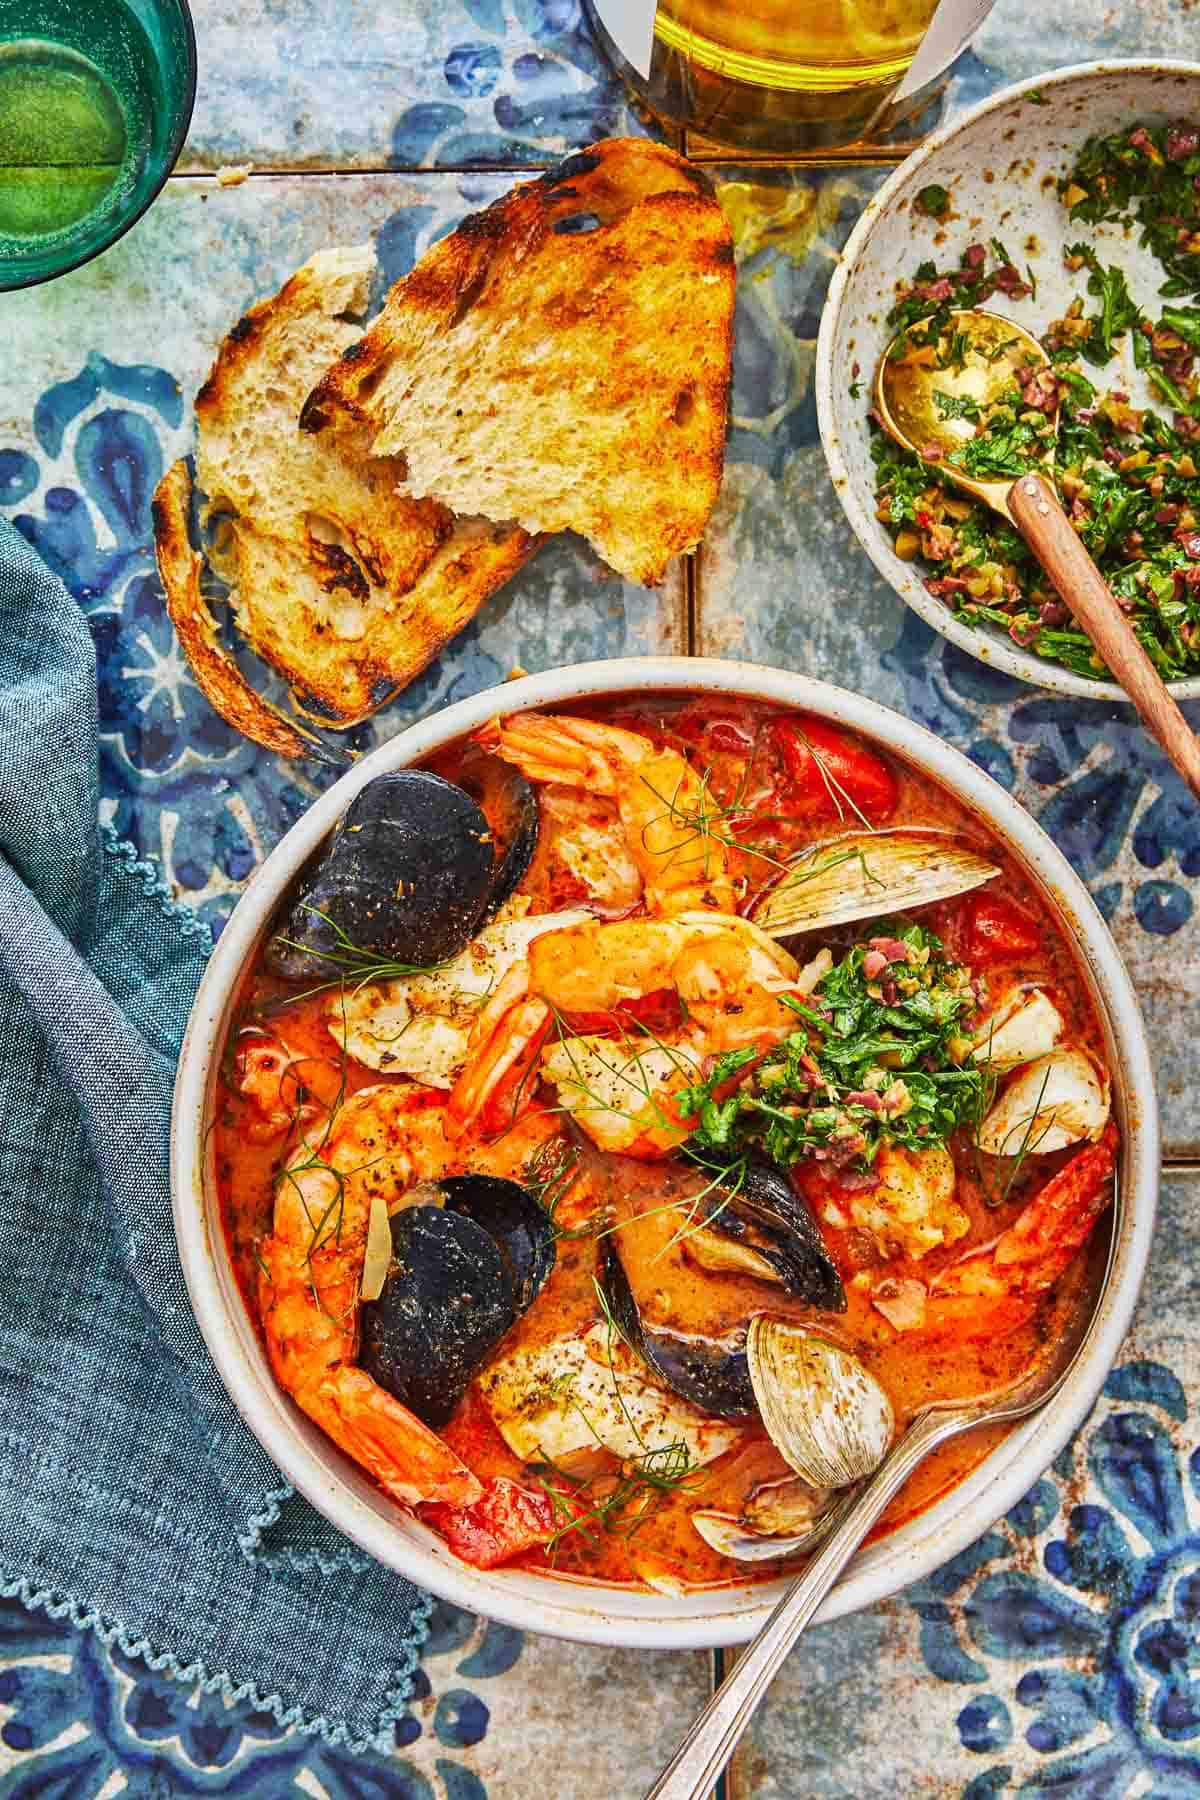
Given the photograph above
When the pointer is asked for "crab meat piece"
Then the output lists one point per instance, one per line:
(913, 1209)
(1051, 1103)
(1025, 1025)
(419, 1025)
(556, 1401)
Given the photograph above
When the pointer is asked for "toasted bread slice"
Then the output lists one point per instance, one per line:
(561, 359)
(347, 588)
(217, 675)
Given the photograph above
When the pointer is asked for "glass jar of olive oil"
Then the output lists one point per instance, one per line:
(781, 75)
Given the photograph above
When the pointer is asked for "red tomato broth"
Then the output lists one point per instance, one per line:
(762, 793)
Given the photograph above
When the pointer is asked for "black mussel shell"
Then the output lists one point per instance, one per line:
(462, 1274)
(444, 1309)
(407, 876)
(766, 1213)
(511, 805)
(712, 1376)
(514, 1220)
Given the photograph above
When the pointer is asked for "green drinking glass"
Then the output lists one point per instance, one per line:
(95, 101)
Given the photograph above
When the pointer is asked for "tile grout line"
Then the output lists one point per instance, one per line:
(884, 158)
(691, 603)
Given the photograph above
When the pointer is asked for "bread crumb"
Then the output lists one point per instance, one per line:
(233, 174)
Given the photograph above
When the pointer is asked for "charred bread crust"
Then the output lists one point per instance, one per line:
(216, 674)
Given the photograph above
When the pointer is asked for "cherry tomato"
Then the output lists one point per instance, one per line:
(507, 1519)
(995, 930)
(830, 773)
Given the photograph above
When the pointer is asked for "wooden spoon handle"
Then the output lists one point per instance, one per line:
(1039, 517)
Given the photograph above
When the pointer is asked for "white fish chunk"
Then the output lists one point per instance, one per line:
(553, 1400)
(589, 840)
(1025, 1025)
(1058, 1100)
(419, 1025)
(913, 1210)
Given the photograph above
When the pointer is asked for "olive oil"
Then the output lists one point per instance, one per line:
(782, 75)
(778, 44)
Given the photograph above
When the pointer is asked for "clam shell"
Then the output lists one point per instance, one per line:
(868, 875)
(779, 1518)
(733, 1537)
(828, 1418)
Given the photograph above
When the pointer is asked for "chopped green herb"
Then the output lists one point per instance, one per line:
(1129, 476)
(874, 1059)
(1003, 450)
(933, 200)
(1117, 310)
(955, 406)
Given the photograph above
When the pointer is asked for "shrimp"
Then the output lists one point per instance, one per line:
(311, 1272)
(993, 1291)
(728, 977)
(665, 811)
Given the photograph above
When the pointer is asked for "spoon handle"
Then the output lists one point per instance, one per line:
(1035, 511)
(710, 1743)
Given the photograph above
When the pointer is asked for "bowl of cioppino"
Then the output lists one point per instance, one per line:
(582, 1046)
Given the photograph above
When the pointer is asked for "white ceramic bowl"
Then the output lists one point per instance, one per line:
(586, 1611)
(994, 161)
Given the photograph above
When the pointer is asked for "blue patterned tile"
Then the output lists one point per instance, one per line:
(334, 83)
(87, 434)
(782, 580)
(1006, 49)
(1059, 1655)
(484, 1722)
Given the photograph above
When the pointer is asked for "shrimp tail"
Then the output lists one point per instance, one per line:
(549, 748)
(1055, 1226)
(408, 1460)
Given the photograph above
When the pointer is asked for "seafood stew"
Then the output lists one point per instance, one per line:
(749, 1073)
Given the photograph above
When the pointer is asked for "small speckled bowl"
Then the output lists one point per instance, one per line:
(588, 1611)
(999, 162)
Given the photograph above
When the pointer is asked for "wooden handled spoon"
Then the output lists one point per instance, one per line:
(989, 352)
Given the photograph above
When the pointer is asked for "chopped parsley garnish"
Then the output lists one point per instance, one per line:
(1147, 175)
(1117, 310)
(876, 1058)
(1005, 450)
(955, 406)
(933, 200)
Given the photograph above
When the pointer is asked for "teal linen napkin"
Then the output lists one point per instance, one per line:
(132, 1497)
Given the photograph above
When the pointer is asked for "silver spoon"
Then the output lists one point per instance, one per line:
(704, 1752)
